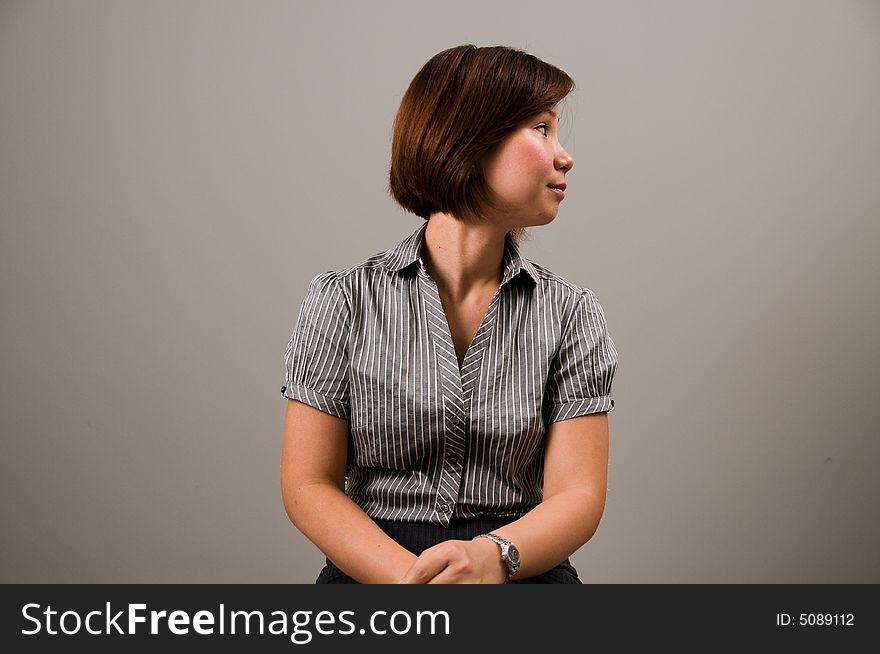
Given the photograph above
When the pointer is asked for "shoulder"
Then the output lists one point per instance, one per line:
(574, 307)
(556, 288)
(326, 293)
(377, 274)
(325, 284)
(372, 265)
(367, 273)
(379, 263)
(347, 287)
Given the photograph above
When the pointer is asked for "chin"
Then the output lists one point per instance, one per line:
(536, 219)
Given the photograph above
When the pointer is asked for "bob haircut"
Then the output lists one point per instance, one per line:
(458, 108)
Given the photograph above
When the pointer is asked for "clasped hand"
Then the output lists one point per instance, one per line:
(475, 561)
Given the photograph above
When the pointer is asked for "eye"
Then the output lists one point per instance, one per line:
(543, 126)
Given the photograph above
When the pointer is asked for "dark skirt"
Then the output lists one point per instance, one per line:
(417, 537)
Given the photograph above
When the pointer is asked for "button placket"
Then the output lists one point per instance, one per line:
(453, 382)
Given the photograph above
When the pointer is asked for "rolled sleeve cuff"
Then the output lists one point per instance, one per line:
(582, 407)
(316, 400)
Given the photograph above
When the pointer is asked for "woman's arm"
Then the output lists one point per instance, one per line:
(575, 482)
(313, 461)
(575, 479)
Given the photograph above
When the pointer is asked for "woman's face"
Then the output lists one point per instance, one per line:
(524, 167)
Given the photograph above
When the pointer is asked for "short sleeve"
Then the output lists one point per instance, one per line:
(316, 360)
(580, 376)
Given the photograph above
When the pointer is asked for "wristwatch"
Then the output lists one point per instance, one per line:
(509, 553)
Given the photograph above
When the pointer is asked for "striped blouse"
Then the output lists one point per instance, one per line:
(429, 439)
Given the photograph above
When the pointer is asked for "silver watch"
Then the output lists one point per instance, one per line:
(509, 553)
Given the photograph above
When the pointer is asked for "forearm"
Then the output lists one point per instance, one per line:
(347, 535)
(554, 530)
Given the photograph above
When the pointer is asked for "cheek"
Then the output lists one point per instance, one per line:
(531, 158)
(521, 163)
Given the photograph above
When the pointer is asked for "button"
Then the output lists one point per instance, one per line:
(283, 388)
(444, 507)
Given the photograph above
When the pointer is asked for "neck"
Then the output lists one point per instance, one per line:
(463, 259)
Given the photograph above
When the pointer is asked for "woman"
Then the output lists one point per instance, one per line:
(448, 398)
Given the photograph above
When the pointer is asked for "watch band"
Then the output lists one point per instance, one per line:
(509, 553)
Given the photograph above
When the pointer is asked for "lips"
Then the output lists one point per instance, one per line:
(558, 190)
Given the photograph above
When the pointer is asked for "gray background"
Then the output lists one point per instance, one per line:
(172, 175)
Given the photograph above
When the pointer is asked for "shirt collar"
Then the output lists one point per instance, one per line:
(409, 251)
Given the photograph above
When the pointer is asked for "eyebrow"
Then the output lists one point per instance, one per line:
(552, 113)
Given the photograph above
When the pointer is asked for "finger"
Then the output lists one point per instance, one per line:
(424, 569)
(445, 577)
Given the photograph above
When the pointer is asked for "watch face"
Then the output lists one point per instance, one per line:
(513, 553)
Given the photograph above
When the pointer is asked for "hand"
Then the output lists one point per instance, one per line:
(476, 561)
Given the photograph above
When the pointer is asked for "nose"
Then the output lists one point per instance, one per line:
(564, 161)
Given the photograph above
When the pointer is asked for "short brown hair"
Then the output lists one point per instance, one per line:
(461, 105)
